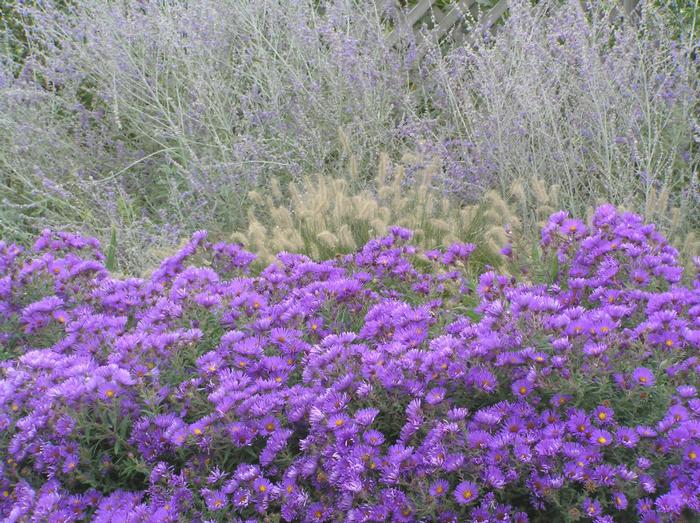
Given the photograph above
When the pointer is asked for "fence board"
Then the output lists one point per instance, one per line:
(443, 22)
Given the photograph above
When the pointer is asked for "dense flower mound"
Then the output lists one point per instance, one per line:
(385, 385)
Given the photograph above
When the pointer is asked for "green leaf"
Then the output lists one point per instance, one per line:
(111, 262)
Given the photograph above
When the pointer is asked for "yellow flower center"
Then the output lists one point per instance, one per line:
(467, 494)
(692, 454)
(523, 390)
(109, 393)
(262, 488)
(669, 343)
(602, 415)
(439, 489)
(602, 440)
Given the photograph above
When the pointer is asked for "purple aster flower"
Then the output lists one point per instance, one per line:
(215, 499)
(241, 498)
(643, 463)
(670, 503)
(646, 432)
(435, 396)
(108, 391)
(650, 517)
(594, 349)
(439, 488)
(601, 438)
(483, 379)
(521, 387)
(338, 421)
(262, 486)
(366, 416)
(645, 505)
(603, 414)
(466, 492)
(648, 483)
(643, 377)
(620, 500)
(592, 507)
(373, 437)
(627, 437)
(692, 454)
(686, 391)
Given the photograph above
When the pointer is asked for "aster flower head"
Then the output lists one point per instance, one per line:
(262, 486)
(435, 396)
(592, 508)
(373, 437)
(692, 454)
(619, 500)
(627, 437)
(601, 438)
(521, 387)
(603, 415)
(215, 499)
(338, 421)
(108, 391)
(466, 492)
(686, 391)
(439, 488)
(366, 416)
(643, 376)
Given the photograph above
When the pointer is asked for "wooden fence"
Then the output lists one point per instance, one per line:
(452, 19)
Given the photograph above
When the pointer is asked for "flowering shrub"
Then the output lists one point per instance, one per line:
(383, 385)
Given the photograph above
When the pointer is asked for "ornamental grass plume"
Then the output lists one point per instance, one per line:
(321, 216)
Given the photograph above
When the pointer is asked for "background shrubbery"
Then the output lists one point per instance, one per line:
(154, 119)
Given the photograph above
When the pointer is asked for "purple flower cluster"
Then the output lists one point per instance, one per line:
(386, 385)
